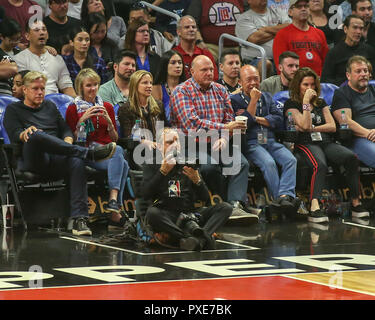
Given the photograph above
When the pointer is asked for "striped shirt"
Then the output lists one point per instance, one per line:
(192, 108)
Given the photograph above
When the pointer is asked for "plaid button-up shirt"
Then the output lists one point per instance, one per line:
(193, 108)
(98, 65)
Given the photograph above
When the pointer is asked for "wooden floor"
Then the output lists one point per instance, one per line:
(284, 260)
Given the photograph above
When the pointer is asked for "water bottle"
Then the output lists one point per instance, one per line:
(81, 135)
(290, 123)
(344, 123)
(136, 131)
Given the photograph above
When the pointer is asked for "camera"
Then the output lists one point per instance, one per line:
(189, 162)
(188, 223)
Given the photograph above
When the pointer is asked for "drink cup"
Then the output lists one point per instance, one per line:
(8, 214)
(242, 119)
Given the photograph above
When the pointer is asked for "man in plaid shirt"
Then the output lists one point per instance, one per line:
(200, 103)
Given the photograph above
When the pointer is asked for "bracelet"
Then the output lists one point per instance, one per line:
(306, 107)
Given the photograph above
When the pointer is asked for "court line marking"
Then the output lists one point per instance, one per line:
(291, 276)
(158, 253)
(358, 225)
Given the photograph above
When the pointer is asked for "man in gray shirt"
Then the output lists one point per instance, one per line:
(288, 66)
(259, 25)
(117, 90)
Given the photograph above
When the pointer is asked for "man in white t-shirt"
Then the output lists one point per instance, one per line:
(259, 25)
(37, 58)
(75, 8)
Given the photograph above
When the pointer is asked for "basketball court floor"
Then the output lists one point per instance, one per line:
(282, 260)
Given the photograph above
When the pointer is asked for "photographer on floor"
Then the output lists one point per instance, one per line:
(175, 188)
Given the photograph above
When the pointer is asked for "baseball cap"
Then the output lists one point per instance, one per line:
(294, 2)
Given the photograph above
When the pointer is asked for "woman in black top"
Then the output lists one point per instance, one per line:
(316, 126)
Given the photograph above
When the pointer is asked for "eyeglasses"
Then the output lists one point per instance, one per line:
(143, 31)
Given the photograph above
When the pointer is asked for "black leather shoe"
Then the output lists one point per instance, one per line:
(101, 153)
(190, 244)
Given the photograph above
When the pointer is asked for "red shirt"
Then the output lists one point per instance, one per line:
(100, 135)
(21, 14)
(188, 59)
(311, 46)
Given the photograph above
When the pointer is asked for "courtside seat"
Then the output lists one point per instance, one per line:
(327, 91)
(4, 102)
(62, 101)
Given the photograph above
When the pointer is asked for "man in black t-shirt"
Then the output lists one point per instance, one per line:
(357, 100)
(47, 145)
(230, 65)
(174, 188)
(59, 24)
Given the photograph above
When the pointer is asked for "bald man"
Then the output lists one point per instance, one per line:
(187, 33)
(201, 103)
(263, 119)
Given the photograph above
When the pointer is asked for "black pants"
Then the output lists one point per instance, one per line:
(53, 158)
(212, 218)
(317, 155)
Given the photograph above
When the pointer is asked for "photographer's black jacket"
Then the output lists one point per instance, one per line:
(175, 191)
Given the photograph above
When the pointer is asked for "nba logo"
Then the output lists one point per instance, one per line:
(174, 189)
(224, 14)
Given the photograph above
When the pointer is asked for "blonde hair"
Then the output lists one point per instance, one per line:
(33, 76)
(84, 74)
(135, 79)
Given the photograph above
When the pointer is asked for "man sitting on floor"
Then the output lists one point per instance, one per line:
(174, 189)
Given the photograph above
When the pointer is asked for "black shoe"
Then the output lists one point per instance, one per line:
(286, 202)
(120, 223)
(101, 153)
(359, 212)
(80, 227)
(190, 244)
(112, 206)
(317, 216)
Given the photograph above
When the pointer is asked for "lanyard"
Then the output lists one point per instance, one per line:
(259, 109)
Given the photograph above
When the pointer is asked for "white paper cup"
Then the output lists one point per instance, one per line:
(8, 215)
(242, 119)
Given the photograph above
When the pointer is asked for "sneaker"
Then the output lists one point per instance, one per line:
(286, 202)
(239, 213)
(120, 223)
(80, 227)
(359, 211)
(190, 244)
(100, 153)
(112, 206)
(364, 222)
(317, 216)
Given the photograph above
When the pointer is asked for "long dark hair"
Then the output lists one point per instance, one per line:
(163, 69)
(98, 19)
(295, 84)
(85, 11)
(89, 61)
(131, 33)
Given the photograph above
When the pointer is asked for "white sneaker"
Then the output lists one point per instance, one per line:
(359, 212)
(239, 214)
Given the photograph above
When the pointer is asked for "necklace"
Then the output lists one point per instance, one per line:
(168, 89)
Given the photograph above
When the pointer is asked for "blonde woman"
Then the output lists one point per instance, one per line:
(100, 126)
(141, 106)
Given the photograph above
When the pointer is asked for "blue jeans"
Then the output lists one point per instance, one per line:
(237, 183)
(267, 157)
(365, 150)
(53, 158)
(117, 168)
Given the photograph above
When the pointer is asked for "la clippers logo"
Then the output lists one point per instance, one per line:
(174, 189)
(223, 14)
